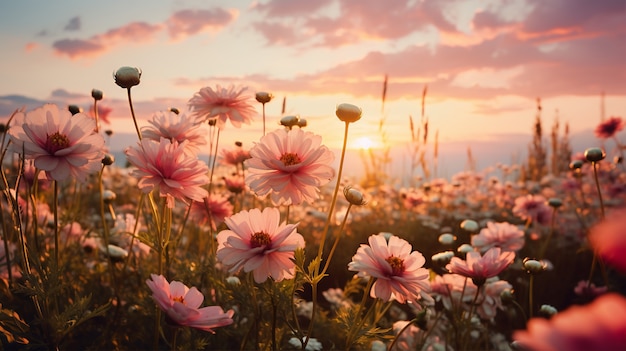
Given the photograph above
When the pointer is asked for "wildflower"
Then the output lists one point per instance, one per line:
(533, 208)
(491, 297)
(96, 94)
(235, 183)
(127, 77)
(181, 305)
(453, 290)
(594, 154)
(289, 121)
(354, 196)
(348, 113)
(600, 325)
(62, 145)
(166, 166)
(222, 104)
(257, 242)
(589, 290)
(504, 235)
(609, 128)
(263, 97)
(478, 267)
(290, 165)
(398, 271)
(213, 209)
(235, 157)
(175, 127)
(608, 238)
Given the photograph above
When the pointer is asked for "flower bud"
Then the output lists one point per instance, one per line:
(264, 97)
(353, 196)
(3, 128)
(348, 112)
(507, 296)
(618, 160)
(109, 196)
(289, 121)
(555, 202)
(96, 94)
(533, 266)
(108, 160)
(302, 123)
(175, 110)
(212, 121)
(465, 248)
(443, 257)
(127, 77)
(447, 239)
(108, 132)
(115, 252)
(74, 109)
(594, 154)
(548, 310)
(577, 164)
(238, 143)
(470, 226)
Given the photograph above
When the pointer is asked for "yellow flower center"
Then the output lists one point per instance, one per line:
(396, 263)
(56, 142)
(179, 299)
(290, 159)
(260, 239)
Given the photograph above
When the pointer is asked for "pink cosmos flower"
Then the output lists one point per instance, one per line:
(533, 208)
(491, 299)
(257, 242)
(176, 127)
(181, 305)
(453, 290)
(235, 183)
(290, 165)
(608, 128)
(167, 167)
(62, 145)
(235, 157)
(599, 326)
(212, 210)
(504, 235)
(399, 272)
(478, 267)
(223, 104)
(608, 238)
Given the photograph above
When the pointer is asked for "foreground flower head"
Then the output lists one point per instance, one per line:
(398, 271)
(608, 238)
(181, 305)
(176, 127)
(600, 325)
(257, 242)
(290, 165)
(62, 145)
(167, 167)
(609, 128)
(478, 267)
(222, 104)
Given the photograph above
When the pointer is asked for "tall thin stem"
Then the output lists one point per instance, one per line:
(132, 112)
(55, 210)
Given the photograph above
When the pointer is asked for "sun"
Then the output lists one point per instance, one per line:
(363, 143)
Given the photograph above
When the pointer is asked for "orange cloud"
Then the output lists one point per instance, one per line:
(30, 46)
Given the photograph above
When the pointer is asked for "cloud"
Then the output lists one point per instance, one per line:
(190, 22)
(77, 47)
(180, 25)
(74, 24)
(353, 22)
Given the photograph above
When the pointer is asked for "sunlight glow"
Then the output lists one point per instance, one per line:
(363, 143)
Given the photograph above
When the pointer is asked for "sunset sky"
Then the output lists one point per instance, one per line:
(485, 62)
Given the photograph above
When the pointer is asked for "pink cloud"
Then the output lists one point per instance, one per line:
(357, 21)
(30, 46)
(287, 8)
(74, 48)
(190, 22)
(180, 25)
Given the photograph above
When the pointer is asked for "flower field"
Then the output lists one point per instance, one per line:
(273, 248)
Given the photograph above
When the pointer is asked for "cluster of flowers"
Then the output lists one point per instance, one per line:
(455, 302)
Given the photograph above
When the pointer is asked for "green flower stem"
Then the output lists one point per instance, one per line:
(334, 247)
(544, 247)
(354, 329)
(531, 284)
(395, 338)
(595, 260)
(132, 112)
(55, 212)
(95, 113)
